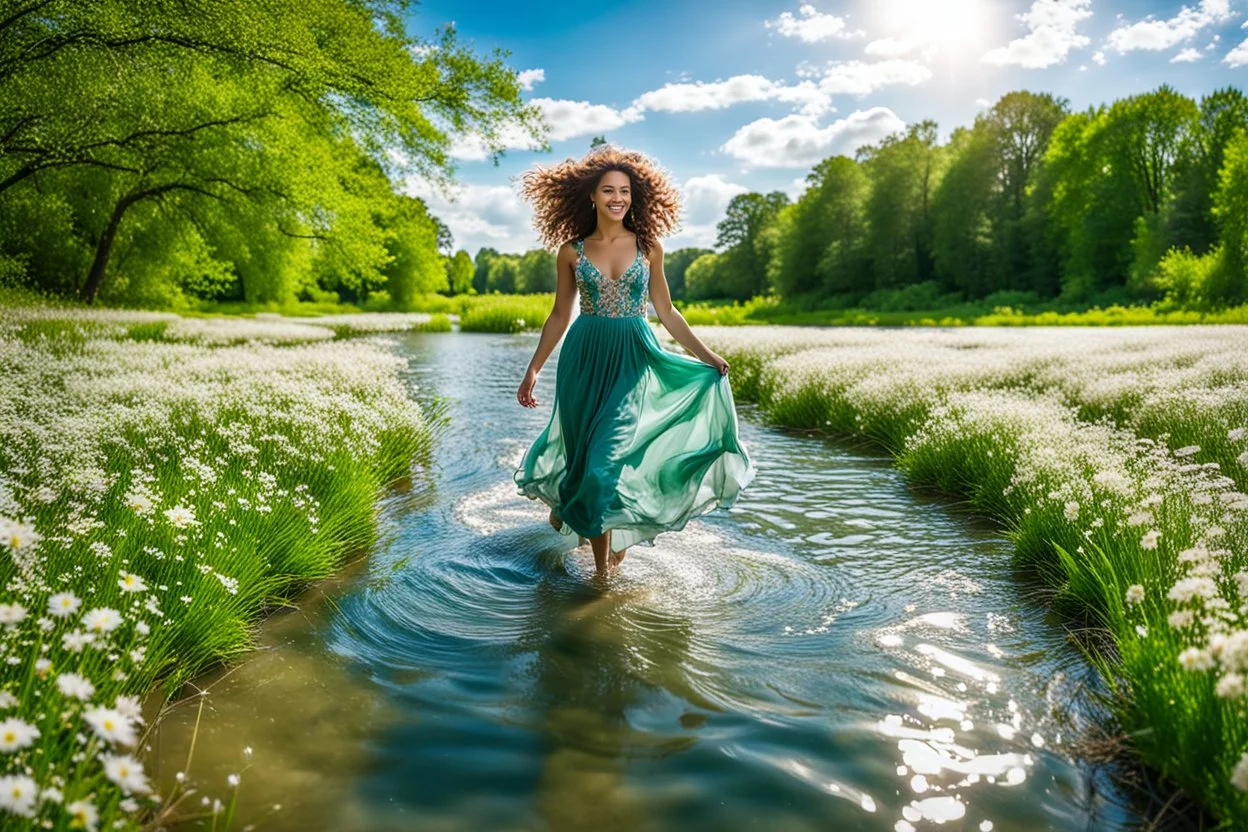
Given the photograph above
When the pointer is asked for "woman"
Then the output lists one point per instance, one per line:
(640, 439)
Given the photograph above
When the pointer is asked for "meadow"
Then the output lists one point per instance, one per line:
(1117, 461)
(165, 481)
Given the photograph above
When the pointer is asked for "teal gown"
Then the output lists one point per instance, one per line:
(640, 440)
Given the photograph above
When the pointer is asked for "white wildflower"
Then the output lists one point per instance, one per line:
(130, 582)
(1239, 777)
(16, 733)
(84, 815)
(64, 603)
(1230, 686)
(181, 516)
(75, 685)
(1180, 619)
(125, 771)
(1135, 594)
(18, 793)
(110, 725)
(1193, 658)
(103, 619)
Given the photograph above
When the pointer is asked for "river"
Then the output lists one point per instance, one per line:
(837, 651)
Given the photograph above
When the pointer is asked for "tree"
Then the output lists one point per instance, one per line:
(460, 272)
(537, 271)
(193, 103)
(504, 274)
(820, 236)
(742, 270)
(903, 170)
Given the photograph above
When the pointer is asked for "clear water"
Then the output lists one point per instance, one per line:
(835, 652)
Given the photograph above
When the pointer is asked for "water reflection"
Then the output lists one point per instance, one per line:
(836, 651)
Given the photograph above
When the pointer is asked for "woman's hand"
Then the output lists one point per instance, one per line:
(716, 361)
(525, 394)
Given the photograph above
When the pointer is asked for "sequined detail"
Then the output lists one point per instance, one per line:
(611, 297)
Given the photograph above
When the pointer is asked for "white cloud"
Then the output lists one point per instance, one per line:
(797, 187)
(861, 78)
(480, 215)
(1154, 34)
(889, 47)
(982, 103)
(1053, 34)
(705, 198)
(797, 141)
(529, 76)
(1186, 56)
(717, 95)
(812, 27)
(567, 119)
(1099, 57)
(1238, 56)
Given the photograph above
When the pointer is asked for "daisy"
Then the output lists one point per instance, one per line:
(103, 619)
(16, 733)
(18, 793)
(181, 516)
(11, 613)
(64, 603)
(110, 724)
(126, 772)
(84, 814)
(128, 706)
(130, 582)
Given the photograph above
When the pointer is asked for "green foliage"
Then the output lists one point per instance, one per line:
(233, 153)
(459, 273)
(536, 272)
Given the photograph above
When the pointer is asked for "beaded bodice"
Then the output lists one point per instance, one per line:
(612, 297)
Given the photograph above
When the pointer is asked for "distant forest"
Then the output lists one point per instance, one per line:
(1140, 200)
(160, 154)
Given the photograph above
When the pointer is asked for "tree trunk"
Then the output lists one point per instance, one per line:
(102, 249)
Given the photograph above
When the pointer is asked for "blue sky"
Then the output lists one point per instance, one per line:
(732, 96)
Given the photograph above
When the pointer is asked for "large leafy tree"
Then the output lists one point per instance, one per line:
(183, 103)
(904, 169)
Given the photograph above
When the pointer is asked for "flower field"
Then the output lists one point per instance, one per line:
(1118, 461)
(163, 481)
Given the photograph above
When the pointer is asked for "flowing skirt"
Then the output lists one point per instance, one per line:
(640, 440)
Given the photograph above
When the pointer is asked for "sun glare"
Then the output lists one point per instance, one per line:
(935, 25)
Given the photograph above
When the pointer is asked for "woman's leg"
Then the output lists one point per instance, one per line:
(602, 552)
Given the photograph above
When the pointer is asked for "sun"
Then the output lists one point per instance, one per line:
(934, 25)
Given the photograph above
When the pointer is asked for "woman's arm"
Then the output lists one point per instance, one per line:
(670, 317)
(556, 322)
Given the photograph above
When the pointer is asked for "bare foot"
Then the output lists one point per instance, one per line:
(555, 521)
(617, 557)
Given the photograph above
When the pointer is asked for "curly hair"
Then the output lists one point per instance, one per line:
(561, 196)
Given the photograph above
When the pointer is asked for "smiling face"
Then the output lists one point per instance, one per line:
(613, 195)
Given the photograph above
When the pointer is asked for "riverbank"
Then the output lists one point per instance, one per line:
(1118, 462)
(164, 483)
